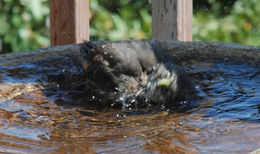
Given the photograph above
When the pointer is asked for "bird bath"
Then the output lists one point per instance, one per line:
(42, 110)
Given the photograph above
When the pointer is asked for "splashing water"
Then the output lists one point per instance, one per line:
(49, 115)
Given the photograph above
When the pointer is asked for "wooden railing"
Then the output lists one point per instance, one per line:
(69, 20)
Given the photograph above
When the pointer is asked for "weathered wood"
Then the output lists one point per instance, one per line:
(172, 20)
(69, 21)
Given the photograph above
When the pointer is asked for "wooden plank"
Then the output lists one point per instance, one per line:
(172, 20)
(69, 21)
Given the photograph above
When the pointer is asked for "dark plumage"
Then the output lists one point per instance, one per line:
(131, 71)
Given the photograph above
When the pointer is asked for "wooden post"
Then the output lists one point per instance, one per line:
(172, 20)
(69, 21)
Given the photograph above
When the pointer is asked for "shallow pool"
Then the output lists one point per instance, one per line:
(41, 110)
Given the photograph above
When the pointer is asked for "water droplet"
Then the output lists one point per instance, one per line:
(121, 98)
(133, 100)
(117, 89)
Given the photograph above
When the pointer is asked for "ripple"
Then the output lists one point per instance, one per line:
(54, 119)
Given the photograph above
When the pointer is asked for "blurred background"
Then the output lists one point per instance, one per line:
(24, 24)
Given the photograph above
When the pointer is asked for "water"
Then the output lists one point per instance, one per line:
(41, 112)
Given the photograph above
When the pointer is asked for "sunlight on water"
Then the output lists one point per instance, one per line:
(41, 111)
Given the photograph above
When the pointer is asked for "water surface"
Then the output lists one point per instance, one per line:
(41, 110)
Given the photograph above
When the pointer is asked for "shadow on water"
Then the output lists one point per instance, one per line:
(230, 89)
(42, 110)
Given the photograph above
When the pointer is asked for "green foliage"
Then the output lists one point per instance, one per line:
(241, 25)
(23, 24)
(120, 20)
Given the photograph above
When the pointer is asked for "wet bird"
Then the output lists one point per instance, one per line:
(134, 72)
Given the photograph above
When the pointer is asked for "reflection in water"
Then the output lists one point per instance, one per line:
(50, 117)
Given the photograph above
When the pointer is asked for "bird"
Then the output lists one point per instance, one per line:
(134, 74)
